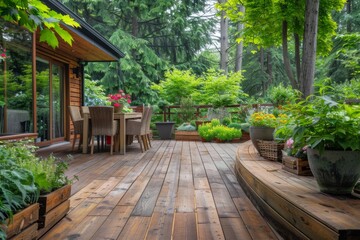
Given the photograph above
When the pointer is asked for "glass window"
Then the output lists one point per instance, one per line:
(16, 99)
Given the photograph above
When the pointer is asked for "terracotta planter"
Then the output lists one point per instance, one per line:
(261, 133)
(336, 172)
(53, 207)
(24, 224)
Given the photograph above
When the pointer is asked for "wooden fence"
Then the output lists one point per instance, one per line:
(167, 110)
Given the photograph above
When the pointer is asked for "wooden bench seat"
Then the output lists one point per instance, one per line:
(294, 203)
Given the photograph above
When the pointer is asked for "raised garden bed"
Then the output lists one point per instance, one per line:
(187, 136)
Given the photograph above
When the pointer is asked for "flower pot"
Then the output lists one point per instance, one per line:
(336, 172)
(165, 129)
(118, 109)
(261, 133)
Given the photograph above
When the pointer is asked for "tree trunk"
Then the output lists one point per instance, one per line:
(297, 56)
(224, 40)
(348, 11)
(309, 47)
(261, 60)
(286, 59)
(240, 46)
(269, 67)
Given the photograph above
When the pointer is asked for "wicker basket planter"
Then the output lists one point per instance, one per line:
(270, 150)
(53, 207)
(187, 136)
(24, 224)
(296, 165)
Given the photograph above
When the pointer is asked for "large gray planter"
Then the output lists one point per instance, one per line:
(336, 172)
(165, 129)
(261, 133)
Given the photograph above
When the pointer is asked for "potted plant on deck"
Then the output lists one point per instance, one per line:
(19, 210)
(262, 127)
(331, 130)
(50, 180)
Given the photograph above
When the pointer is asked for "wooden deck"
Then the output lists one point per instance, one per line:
(176, 190)
(294, 203)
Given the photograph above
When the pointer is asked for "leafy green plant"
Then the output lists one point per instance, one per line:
(48, 173)
(187, 110)
(226, 121)
(281, 95)
(206, 131)
(225, 133)
(235, 125)
(186, 127)
(17, 187)
(323, 123)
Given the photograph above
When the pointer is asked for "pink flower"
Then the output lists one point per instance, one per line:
(3, 55)
(129, 101)
(289, 143)
(116, 104)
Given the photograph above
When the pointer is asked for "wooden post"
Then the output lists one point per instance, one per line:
(164, 114)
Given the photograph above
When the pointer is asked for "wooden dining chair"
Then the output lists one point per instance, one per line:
(147, 129)
(103, 124)
(78, 124)
(138, 128)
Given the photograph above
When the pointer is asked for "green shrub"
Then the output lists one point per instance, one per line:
(215, 122)
(245, 127)
(235, 125)
(226, 121)
(186, 127)
(206, 131)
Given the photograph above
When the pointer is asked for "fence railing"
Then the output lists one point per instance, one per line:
(167, 110)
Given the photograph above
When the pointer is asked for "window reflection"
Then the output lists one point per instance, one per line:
(15, 80)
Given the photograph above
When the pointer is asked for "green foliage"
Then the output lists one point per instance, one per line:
(33, 15)
(219, 89)
(186, 127)
(206, 131)
(281, 95)
(48, 173)
(94, 93)
(323, 123)
(187, 110)
(235, 125)
(212, 130)
(17, 186)
(176, 85)
(226, 121)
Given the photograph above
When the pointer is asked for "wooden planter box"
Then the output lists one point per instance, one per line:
(296, 165)
(187, 136)
(24, 224)
(53, 207)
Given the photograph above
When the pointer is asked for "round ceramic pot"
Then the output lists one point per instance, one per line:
(336, 172)
(261, 133)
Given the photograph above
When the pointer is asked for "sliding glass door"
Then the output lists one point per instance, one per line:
(49, 100)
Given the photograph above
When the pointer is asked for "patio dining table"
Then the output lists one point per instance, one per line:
(122, 117)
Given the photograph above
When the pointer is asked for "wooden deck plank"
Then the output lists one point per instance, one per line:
(234, 228)
(176, 190)
(135, 228)
(114, 223)
(185, 226)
